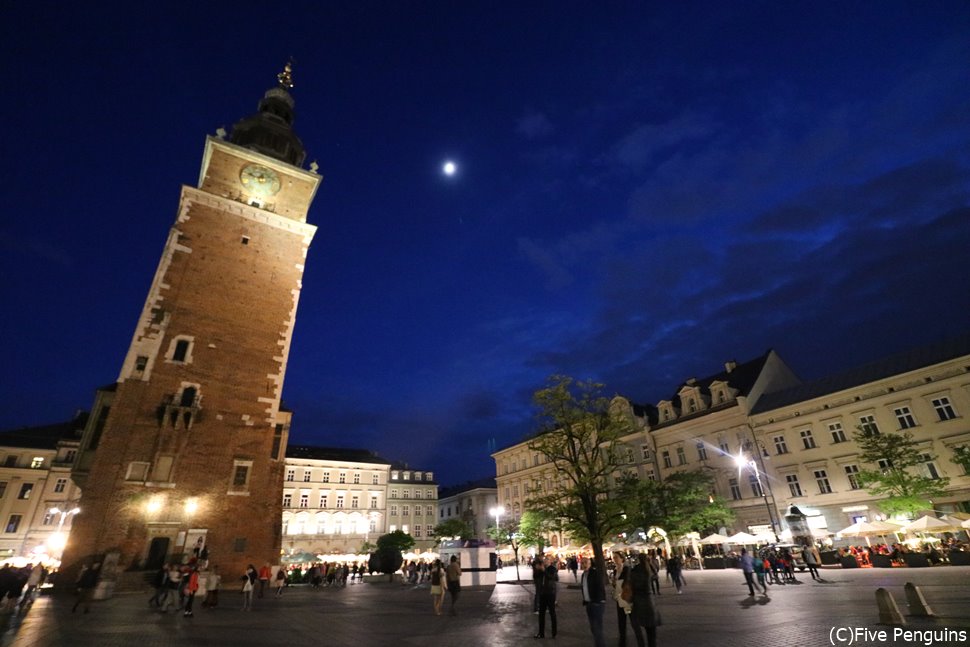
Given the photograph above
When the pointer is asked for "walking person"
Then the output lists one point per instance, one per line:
(173, 579)
(438, 578)
(161, 587)
(759, 570)
(264, 574)
(453, 577)
(280, 581)
(747, 567)
(191, 588)
(675, 569)
(812, 560)
(653, 567)
(249, 583)
(623, 595)
(592, 584)
(645, 617)
(86, 584)
(212, 582)
(538, 573)
(547, 597)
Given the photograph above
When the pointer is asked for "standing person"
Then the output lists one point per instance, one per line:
(653, 565)
(594, 599)
(280, 581)
(249, 583)
(264, 574)
(191, 588)
(161, 587)
(212, 582)
(173, 579)
(747, 567)
(759, 570)
(574, 568)
(453, 576)
(547, 597)
(675, 568)
(437, 586)
(812, 560)
(623, 607)
(86, 584)
(645, 618)
(538, 573)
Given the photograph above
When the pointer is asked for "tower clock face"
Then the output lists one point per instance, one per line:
(259, 180)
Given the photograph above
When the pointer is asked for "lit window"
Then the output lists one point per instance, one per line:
(36, 462)
(25, 491)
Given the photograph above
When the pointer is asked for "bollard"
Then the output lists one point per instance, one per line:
(917, 603)
(888, 611)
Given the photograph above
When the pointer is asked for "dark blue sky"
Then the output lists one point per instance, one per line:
(644, 192)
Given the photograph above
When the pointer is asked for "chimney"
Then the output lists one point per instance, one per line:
(730, 366)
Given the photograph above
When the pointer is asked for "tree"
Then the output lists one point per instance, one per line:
(533, 528)
(961, 456)
(894, 456)
(388, 558)
(508, 532)
(451, 528)
(680, 504)
(579, 433)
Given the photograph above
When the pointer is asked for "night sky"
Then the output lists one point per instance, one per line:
(643, 192)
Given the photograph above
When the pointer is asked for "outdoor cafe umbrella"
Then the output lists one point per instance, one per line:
(868, 529)
(742, 538)
(928, 524)
(715, 539)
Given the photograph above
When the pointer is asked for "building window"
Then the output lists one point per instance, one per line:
(13, 523)
(793, 485)
(651, 475)
(666, 457)
(905, 417)
(838, 433)
(342, 478)
(944, 409)
(355, 502)
(25, 491)
(356, 477)
(274, 451)
(49, 518)
(515, 491)
(70, 456)
(36, 462)
(290, 475)
(868, 425)
(929, 466)
(375, 479)
(372, 527)
(701, 451)
(3, 488)
(807, 439)
(393, 510)
(823, 482)
(405, 511)
(287, 500)
(407, 494)
(781, 447)
(681, 456)
(240, 474)
(340, 501)
(735, 489)
(60, 485)
(323, 500)
(304, 500)
(180, 350)
(417, 531)
(373, 502)
(852, 473)
(306, 476)
(884, 464)
(645, 452)
(137, 471)
(630, 456)
(429, 510)
(724, 447)
(755, 485)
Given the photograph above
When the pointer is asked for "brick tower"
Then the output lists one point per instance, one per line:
(187, 448)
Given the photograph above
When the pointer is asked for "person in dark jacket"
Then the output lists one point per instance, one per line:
(86, 584)
(547, 596)
(593, 586)
(644, 615)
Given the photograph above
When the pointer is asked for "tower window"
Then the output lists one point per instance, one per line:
(141, 363)
(245, 240)
(180, 349)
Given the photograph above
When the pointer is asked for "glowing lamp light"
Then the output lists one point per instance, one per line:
(57, 541)
(154, 505)
(191, 506)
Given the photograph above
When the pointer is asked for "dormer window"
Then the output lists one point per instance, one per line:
(691, 405)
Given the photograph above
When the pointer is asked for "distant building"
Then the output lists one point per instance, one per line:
(471, 503)
(35, 480)
(335, 500)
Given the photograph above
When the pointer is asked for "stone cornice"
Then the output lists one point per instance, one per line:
(192, 195)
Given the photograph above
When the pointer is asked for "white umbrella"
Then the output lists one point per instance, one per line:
(715, 539)
(742, 538)
(929, 524)
(966, 524)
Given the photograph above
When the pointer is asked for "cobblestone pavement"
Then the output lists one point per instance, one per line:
(713, 610)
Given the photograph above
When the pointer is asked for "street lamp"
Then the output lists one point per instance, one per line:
(58, 540)
(498, 511)
(742, 462)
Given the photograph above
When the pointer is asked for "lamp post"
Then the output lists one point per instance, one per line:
(497, 511)
(742, 462)
(58, 540)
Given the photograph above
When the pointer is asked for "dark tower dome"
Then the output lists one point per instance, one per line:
(270, 131)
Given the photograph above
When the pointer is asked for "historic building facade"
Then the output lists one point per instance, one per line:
(412, 504)
(187, 447)
(38, 500)
(471, 503)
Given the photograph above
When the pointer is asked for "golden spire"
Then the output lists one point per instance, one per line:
(285, 77)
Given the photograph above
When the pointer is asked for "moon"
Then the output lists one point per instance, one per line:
(449, 168)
